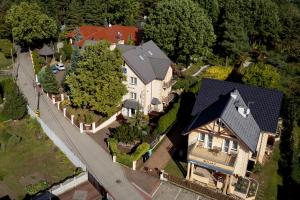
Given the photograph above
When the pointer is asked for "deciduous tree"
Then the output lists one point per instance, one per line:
(181, 28)
(48, 81)
(29, 24)
(96, 83)
(261, 75)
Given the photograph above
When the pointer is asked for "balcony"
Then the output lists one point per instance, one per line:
(212, 158)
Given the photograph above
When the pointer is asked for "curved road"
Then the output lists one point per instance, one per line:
(110, 175)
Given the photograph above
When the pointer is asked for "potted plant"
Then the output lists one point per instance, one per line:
(88, 119)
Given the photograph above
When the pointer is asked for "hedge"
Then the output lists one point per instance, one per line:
(127, 159)
(168, 119)
(218, 72)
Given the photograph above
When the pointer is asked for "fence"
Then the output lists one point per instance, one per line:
(196, 187)
(69, 184)
(92, 128)
(57, 141)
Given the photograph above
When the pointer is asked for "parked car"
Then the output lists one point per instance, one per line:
(54, 69)
(60, 66)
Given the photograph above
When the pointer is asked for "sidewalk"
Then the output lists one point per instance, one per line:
(172, 142)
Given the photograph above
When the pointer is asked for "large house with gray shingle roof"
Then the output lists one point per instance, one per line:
(148, 74)
(235, 126)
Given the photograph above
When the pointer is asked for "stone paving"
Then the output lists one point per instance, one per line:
(167, 191)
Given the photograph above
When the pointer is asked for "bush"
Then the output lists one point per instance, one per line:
(218, 72)
(186, 83)
(5, 47)
(36, 188)
(168, 119)
(127, 159)
(257, 168)
(38, 62)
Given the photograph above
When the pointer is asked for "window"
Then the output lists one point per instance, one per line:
(234, 146)
(124, 70)
(220, 123)
(133, 95)
(226, 145)
(209, 141)
(132, 111)
(201, 137)
(133, 81)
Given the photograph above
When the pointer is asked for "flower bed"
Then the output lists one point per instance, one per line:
(124, 158)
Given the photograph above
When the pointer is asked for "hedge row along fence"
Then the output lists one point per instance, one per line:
(168, 119)
(127, 159)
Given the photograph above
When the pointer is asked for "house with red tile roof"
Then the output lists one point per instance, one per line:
(115, 34)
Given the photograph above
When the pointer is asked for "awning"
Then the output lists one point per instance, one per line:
(155, 101)
(208, 166)
(129, 103)
(45, 51)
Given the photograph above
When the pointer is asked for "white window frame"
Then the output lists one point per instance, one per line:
(231, 146)
(133, 95)
(224, 147)
(124, 70)
(201, 137)
(209, 144)
(133, 80)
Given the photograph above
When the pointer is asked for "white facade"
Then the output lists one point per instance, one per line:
(144, 93)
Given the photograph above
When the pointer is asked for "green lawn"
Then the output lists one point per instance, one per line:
(33, 159)
(193, 69)
(4, 62)
(269, 178)
(176, 168)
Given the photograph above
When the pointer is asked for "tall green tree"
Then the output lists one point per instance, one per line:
(233, 38)
(96, 83)
(15, 106)
(29, 24)
(5, 31)
(95, 12)
(48, 81)
(74, 14)
(261, 75)
(266, 26)
(212, 8)
(290, 37)
(182, 29)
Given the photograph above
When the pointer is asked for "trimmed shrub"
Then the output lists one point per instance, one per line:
(127, 159)
(218, 72)
(48, 81)
(67, 51)
(168, 119)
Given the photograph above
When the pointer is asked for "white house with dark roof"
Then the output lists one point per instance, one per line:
(234, 127)
(148, 74)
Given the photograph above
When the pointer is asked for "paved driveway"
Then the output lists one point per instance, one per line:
(98, 162)
(167, 191)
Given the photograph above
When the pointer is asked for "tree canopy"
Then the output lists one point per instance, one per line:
(181, 28)
(96, 83)
(261, 75)
(29, 24)
(48, 81)
(218, 72)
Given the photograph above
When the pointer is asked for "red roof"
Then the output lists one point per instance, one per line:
(111, 34)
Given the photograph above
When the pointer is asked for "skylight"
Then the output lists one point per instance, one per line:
(150, 52)
(141, 57)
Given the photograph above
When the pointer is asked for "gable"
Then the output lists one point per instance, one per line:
(265, 104)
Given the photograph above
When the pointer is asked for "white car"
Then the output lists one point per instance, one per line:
(60, 66)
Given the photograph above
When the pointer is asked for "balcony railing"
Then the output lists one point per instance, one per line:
(212, 156)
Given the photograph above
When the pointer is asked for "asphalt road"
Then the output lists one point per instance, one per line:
(98, 162)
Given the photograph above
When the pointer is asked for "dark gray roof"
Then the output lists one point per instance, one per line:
(226, 109)
(265, 104)
(130, 103)
(147, 61)
(45, 51)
